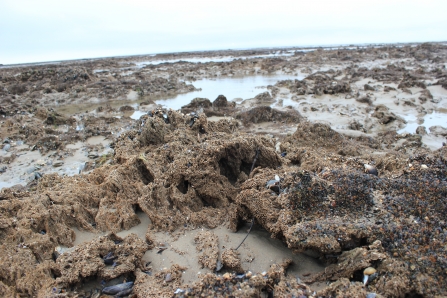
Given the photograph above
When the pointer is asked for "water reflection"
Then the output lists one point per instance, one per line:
(232, 88)
(137, 114)
(428, 121)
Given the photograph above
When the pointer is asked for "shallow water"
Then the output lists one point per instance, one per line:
(258, 252)
(6, 184)
(137, 114)
(22, 170)
(232, 88)
(435, 118)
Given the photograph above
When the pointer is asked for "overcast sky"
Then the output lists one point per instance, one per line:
(49, 30)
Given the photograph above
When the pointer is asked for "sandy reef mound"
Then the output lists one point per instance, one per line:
(219, 107)
(311, 199)
(267, 114)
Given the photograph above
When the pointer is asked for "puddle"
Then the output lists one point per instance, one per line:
(140, 230)
(428, 120)
(5, 184)
(21, 169)
(132, 95)
(96, 140)
(84, 236)
(232, 88)
(27, 164)
(137, 114)
(257, 253)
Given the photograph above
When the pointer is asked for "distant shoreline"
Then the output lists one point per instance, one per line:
(221, 51)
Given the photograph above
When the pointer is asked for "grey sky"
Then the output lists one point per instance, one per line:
(48, 30)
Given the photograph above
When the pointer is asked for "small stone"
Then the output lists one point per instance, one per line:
(57, 164)
(40, 162)
(421, 130)
(93, 155)
(369, 271)
(371, 169)
(168, 277)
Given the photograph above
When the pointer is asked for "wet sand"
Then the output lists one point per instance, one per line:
(150, 169)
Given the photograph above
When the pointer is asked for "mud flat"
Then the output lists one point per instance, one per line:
(161, 176)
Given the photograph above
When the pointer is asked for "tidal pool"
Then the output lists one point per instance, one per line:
(435, 118)
(232, 88)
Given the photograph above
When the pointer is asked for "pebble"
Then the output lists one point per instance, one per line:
(112, 290)
(57, 164)
(219, 266)
(40, 162)
(93, 155)
(168, 277)
(371, 169)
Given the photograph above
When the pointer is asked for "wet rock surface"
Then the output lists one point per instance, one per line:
(307, 182)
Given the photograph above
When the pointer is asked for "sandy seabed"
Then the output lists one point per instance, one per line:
(108, 191)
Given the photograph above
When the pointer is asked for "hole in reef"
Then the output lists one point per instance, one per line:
(208, 201)
(296, 162)
(55, 273)
(229, 169)
(413, 294)
(246, 167)
(354, 242)
(183, 186)
(136, 208)
(145, 175)
(363, 241)
(357, 276)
